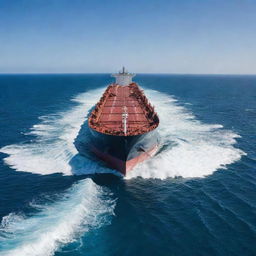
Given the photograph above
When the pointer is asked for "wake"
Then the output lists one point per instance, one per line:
(82, 208)
(53, 147)
(189, 148)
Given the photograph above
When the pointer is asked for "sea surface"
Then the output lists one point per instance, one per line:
(197, 196)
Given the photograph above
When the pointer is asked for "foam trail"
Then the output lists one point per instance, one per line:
(189, 148)
(53, 147)
(83, 207)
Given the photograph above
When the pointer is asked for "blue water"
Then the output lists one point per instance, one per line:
(197, 196)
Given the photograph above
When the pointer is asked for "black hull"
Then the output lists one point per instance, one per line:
(124, 148)
(120, 152)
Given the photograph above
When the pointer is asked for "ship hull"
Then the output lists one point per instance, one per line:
(123, 153)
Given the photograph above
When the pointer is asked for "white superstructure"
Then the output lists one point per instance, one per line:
(123, 77)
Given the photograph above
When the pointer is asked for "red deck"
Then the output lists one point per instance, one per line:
(117, 100)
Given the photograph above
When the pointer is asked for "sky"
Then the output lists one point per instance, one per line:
(147, 36)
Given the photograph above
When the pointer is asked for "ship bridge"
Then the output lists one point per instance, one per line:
(123, 78)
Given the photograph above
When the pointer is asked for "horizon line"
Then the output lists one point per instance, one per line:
(140, 73)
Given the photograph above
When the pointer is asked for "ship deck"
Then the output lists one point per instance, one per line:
(113, 108)
(118, 100)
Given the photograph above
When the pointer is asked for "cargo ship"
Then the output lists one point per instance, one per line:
(123, 125)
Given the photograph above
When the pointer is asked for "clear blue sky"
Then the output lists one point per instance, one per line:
(149, 36)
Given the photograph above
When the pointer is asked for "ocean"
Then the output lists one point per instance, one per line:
(196, 196)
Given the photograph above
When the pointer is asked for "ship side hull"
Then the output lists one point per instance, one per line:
(124, 152)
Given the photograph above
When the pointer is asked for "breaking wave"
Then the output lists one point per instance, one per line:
(189, 148)
(83, 207)
(53, 148)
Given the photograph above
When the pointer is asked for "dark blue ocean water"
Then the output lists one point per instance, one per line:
(197, 196)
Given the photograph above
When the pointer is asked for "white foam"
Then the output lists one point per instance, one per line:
(53, 147)
(192, 148)
(80, 209)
